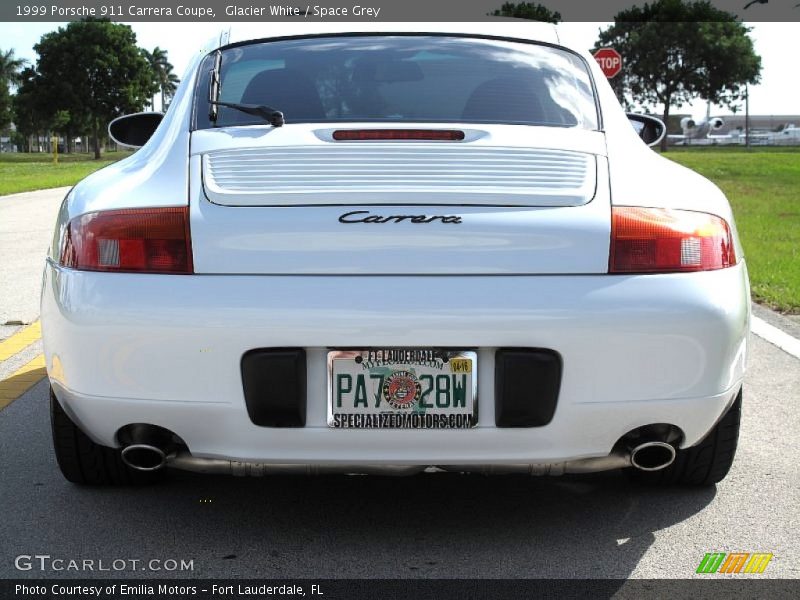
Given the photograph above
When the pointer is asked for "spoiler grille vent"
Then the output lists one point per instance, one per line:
(565, 177)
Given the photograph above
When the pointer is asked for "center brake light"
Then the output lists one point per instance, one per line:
(657, 240)
(360, 135)
(134, 240)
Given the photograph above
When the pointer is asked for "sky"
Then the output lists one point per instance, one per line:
(777, 43)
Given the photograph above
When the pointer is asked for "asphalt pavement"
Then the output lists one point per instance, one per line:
(429, 525)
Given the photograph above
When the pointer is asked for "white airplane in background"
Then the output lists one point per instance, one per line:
(790, 134)
(702, 132)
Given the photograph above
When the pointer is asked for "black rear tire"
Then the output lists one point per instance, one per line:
(704, 464)
(83, 461)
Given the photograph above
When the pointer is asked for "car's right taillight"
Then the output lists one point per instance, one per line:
(657, 240)
(136, 240)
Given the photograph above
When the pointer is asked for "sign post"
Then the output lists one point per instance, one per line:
(610, 61)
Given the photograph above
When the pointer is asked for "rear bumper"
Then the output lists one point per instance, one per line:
(166, 350)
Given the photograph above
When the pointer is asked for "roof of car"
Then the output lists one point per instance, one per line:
(516, 28)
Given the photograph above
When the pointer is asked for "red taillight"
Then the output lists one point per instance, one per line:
(657, 240)
(352, 135)
(136, 240)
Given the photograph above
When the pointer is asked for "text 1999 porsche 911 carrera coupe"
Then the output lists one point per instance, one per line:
(385, 251)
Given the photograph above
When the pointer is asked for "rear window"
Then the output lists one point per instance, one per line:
(396, 79)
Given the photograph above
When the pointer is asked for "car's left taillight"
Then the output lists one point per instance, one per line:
(134, 240)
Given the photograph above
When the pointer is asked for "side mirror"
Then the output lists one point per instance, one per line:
(134, 130)
(650, 129)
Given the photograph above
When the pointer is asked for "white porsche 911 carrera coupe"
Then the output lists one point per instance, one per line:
(375, 250)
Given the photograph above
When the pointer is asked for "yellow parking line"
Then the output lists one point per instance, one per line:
(21, 381)
(20, 340)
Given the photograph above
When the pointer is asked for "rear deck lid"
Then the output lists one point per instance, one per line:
(382, 208)
(304, 165)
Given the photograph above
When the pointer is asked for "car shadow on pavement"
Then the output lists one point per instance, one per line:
(428, 525)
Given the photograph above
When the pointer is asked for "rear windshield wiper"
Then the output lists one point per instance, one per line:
(272, 116)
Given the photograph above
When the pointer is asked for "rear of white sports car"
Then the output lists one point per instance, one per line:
(384, 252)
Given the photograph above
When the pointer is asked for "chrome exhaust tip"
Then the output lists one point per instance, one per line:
(144, 457)
(652, 456)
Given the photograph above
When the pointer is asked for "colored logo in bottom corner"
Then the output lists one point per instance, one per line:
(734, 562)
(402, 389)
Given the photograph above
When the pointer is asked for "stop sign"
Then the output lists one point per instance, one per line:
(610, 61)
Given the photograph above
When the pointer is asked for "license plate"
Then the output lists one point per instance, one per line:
(402, 388)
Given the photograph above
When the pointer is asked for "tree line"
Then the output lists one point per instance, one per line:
(86, 74)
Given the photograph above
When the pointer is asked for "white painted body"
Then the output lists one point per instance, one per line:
(271, 271)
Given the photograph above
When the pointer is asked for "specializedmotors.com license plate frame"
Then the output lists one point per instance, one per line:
(439, 380)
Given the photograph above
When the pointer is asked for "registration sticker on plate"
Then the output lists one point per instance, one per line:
(402, 388)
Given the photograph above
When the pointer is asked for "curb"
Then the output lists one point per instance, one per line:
(776, 319)
(65, 189)
(776, 329)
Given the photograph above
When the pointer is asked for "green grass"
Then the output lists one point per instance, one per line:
(20, 172)
(763, 186)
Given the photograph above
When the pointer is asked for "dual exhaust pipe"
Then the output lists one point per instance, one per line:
(648, 456)
(652, 456)
(144, 457)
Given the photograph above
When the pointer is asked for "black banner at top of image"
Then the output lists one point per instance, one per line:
(349, 10)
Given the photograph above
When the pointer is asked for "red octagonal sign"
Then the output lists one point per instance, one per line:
(610, 61)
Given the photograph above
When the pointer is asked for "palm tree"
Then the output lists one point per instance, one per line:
(169, 87)
(156, 58)
(166, 80)
(10, 67)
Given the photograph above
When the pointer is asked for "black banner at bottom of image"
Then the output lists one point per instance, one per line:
(389, 589)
